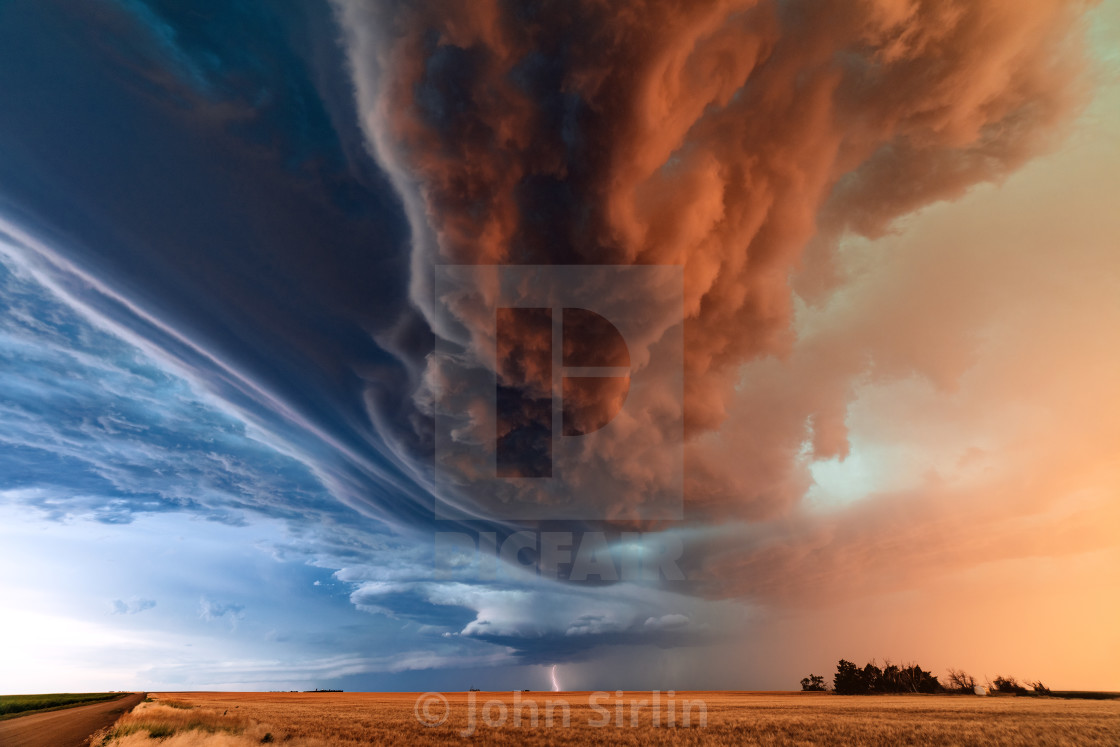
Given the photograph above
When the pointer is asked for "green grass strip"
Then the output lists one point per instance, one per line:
(21, 705)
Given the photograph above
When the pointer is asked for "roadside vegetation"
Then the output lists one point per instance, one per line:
(176, 723)
(21, 705)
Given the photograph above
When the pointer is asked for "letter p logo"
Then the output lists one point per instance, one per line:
(592, 364)
(558, 391)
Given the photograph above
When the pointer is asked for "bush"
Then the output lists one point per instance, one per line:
(1007, 686)
(961, 682)
(813, 683)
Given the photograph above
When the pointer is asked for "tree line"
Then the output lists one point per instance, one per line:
(871, 679)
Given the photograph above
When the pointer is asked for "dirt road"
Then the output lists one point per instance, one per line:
(70, 727)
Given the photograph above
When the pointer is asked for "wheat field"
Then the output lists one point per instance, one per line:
(727, 718)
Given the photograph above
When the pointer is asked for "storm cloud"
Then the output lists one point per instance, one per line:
(220, 229)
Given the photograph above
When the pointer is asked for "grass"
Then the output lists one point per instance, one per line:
(21, 705)
(1085, 694)
(159, 719)
(353, 719)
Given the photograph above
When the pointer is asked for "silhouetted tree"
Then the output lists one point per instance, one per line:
(872, 677)
(813, 683)
(1007, 686)
(914, 679)
(891, 678)
(961, 682)
(848, 679)
(1039, 688)
(908, 678)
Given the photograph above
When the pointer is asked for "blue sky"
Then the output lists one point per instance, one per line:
(143, 469)
(169, 543)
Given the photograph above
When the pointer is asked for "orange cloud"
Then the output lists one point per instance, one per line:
(722, 136)
(746, 140)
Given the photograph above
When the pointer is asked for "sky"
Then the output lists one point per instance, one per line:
(253, 261)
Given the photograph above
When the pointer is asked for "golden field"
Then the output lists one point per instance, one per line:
(352, 719)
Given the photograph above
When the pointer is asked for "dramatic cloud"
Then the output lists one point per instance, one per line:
(750, 142)
(726, 137)
(544, 622)
(222, 233)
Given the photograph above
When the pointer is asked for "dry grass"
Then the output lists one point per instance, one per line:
(352, 719)
(177, 723)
